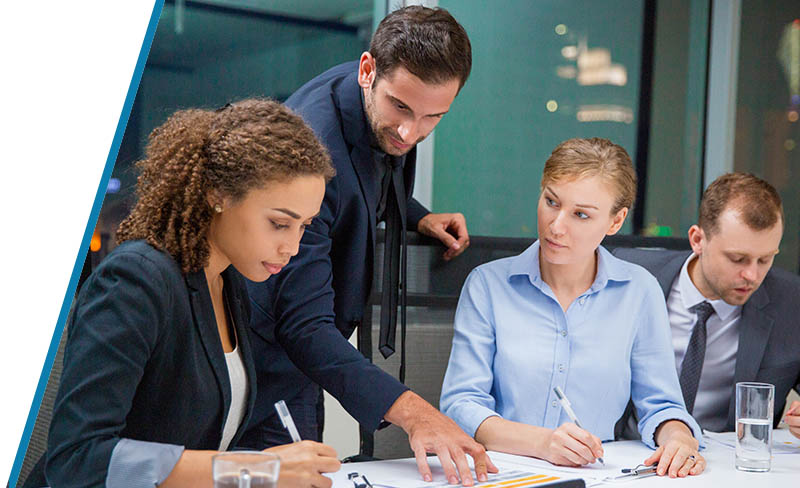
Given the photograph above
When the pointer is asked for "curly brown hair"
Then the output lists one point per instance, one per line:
(229, 151)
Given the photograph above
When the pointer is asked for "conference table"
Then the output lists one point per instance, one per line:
(720, 471)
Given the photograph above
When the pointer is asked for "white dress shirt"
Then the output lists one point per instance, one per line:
(716, 381)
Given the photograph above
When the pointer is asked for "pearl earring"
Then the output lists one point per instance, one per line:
(218, 208)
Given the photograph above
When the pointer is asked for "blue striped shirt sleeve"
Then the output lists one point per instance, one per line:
(141, 464)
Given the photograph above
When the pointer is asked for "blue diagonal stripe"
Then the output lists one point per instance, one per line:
(87, 236)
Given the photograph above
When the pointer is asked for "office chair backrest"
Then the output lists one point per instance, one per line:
(33, 462)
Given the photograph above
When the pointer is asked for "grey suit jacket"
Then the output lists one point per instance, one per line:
(769, 328)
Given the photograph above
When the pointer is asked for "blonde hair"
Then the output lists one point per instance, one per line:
(580, 158)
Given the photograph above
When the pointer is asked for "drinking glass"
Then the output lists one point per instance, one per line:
(754, 408)
(245, 469)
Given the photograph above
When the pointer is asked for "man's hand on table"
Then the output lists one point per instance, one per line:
(430, 431)
(792, 418)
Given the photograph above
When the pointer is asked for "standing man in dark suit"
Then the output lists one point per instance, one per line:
(370, 114)
(733, 318)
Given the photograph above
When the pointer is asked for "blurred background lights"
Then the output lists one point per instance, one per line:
(561, 29)
(569, 52)
(789, 144)
(595, 68)
(792, 116)
(552, 105)
(94, 244)
(604, 113)
(113, 185)
(567, 72)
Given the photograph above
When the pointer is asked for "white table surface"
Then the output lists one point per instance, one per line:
(720, 471)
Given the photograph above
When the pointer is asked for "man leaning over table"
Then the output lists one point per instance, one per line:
(370, 114)
(733, 316)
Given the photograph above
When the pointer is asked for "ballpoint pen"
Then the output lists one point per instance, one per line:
(287, 421)
(567, 406)
(639, 471)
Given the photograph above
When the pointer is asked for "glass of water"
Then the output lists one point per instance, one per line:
(754, 405)
(245, 469)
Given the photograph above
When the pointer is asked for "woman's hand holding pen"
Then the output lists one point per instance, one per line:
(569, 445)
(302, 464)
(677, 454)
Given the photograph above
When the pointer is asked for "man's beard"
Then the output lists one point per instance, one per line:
(380, 134)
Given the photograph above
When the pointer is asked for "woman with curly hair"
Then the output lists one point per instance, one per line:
(158, 375)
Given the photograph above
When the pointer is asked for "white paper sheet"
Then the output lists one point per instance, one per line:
(403, 473)
(783, 442)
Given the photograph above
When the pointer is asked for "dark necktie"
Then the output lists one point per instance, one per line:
(394, 266)
(692, 364)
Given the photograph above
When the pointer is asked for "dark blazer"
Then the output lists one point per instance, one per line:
(769, 337)
(304, 314)
(143, 361)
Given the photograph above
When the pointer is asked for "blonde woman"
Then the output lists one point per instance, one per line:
(567, 313)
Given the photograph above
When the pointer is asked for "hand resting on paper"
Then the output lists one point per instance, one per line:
(677, 455)
(792, 418)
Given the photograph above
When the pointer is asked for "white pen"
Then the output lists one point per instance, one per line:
(287, 421)
(568, 408)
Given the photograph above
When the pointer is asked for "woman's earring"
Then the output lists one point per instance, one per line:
(218, 208)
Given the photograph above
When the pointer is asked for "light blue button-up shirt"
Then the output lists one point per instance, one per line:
(513, 343)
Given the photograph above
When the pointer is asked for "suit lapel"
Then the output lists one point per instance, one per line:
(356, 135)
(754, 330)
(235, 293)
(206, 324)
(670, 272)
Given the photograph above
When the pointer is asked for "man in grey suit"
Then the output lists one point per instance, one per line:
(733, 317)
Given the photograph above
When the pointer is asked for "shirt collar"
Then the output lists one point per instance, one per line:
(609, 268)
(691, 296)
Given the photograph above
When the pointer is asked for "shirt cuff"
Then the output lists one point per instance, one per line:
(648, 430)
(470, 417)
(142, 464)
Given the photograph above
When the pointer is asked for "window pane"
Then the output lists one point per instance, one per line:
(768, 100)
(543, 72)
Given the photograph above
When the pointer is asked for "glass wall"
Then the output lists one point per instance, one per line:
(542, 72)
(767, 105)
(677, 123)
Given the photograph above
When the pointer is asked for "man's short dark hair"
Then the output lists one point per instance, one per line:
(757, 202)
(428, 42)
